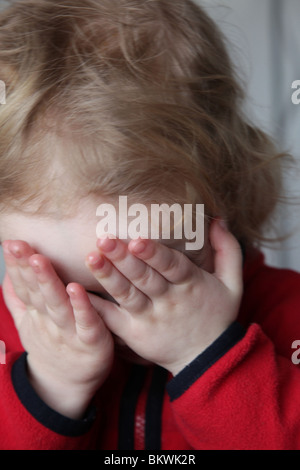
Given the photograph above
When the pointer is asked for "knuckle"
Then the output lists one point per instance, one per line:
(127, 294)
(171, 264)
(132, 299)
(146, 278)
(23, 294)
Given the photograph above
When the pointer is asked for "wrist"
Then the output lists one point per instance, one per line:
(67, 398)
(193, 371)
(40, 411)
(196, 348)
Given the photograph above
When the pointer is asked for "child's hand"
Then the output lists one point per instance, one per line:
(69, 348)
(169, 309)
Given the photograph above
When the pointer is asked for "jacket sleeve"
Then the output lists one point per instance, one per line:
(27, 423)
(239, 394)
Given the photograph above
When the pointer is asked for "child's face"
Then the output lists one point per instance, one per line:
(66, 241)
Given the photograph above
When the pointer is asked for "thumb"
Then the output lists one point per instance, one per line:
(228, 259)
(107, 310)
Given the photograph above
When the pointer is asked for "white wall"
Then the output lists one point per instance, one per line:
(265, 43)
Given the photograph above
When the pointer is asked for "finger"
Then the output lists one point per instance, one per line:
(112, 315)
(16, 307)
(12, 269)
(145, 278)
(117, 285)
(228, 256)
(173, 265)
(89, 325)
(55, 297)
(16, 255)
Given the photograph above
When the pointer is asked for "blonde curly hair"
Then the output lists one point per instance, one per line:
(128, 97)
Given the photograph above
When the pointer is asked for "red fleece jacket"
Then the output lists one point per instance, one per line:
(243, 392)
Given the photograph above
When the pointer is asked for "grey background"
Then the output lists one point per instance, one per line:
(264, 40)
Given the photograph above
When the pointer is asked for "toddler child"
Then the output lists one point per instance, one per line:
(136, 344)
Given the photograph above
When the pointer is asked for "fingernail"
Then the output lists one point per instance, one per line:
(95, 259)
(223, 224)
(71, 291)
(107, 244)
(139, 247)
(15, 250)
(35, 266)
